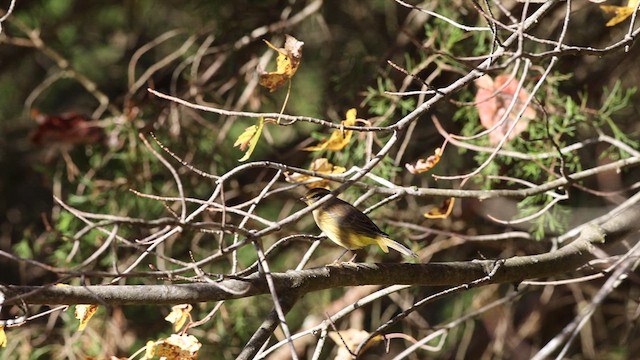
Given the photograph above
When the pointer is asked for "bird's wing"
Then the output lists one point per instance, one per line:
(360, 224)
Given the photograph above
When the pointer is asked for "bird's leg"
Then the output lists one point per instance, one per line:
(340, 257)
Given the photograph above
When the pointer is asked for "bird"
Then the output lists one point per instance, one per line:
(347, 226)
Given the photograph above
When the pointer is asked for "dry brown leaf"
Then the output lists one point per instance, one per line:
(84, 312)
(443, 211)
(339, 138)
(492, 101)
(287, 64)
(175, 347)
(66, 128)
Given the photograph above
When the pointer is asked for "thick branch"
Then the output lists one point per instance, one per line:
(298, 283)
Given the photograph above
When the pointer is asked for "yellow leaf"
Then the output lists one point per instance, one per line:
(287, 64)
(245, 138)
(443, 211)
(320, 166)
(339, 138)
(427, 164)
(179, 315)
(249, 139)
(3, 337)
(621, 12)
(84, 312)
(184, 347)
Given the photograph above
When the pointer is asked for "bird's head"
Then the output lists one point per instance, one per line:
(314, 195)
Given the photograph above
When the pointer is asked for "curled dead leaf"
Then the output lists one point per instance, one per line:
(427, 164)
(287, 64)
(183, 347)
(84, 312)
(443, 211)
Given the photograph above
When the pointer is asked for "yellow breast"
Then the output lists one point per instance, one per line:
(341, 235)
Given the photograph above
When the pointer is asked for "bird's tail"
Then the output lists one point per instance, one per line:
(385, 242)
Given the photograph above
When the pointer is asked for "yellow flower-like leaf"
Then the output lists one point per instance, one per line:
(320, 166)
(245, 138)
(339, 138)
(3, 337)
(183, 347)
(443, 211)
(179, 315)
(427, 164)
(287, 64)
(621, 12)
(249, 139)
(84, 312)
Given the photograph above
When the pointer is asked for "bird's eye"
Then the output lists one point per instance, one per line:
(315, 196)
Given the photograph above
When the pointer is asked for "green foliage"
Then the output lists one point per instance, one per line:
(554, 221)
(58, 7)
(379, 103)
(616, 102)
(23, 249)
(565, 122)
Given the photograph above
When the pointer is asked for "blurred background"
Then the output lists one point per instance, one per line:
(73, 99)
